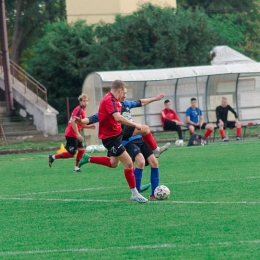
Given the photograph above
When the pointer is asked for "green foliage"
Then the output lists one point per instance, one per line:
(153, 37)
(60, 60)
(236, 23)
(229, 31)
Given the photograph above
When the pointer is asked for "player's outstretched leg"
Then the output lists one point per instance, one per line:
(161, 149)
(84, 159)
(145, 187)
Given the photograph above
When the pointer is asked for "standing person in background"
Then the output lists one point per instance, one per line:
(74, 140)
(222, 120)
(170, 119)
(195, 120)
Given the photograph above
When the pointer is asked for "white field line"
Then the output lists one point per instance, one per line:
(116, 187)
(117, 201)
(59, 191)
(134, 248)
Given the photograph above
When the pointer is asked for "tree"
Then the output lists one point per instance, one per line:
(27, 19)
(235, 22)
(153, 37)
(60, 58)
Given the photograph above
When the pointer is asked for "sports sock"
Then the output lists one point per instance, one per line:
(222, 133)
(154, 179)
(207, 134)
(150, 141)
(130, 178)
(138, 178)
(79, 156)
(64, 155)
(103, 160)
(238, 131)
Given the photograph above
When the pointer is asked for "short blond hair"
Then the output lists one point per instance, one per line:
(118, 84)
(82, 96)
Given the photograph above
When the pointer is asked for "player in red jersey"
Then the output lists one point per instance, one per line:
(110, 132)
(170, 119)
(73, 136)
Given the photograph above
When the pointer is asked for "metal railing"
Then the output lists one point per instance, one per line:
(28, 82)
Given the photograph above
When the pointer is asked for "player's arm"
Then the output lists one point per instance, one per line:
(125, 121)
(233, 112)
(76, 131)
(146, 101)
(92, 126)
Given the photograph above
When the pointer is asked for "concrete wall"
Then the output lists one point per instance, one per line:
(44, 119)
(105, 10)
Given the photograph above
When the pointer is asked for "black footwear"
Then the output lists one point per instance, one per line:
(51, 160)
(238, 138)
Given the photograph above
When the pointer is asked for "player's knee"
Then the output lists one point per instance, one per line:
(153, 162)
(114, 164)
(210, 127)
(220, 125)
(140, 161)
(145, 129)
(191, 129)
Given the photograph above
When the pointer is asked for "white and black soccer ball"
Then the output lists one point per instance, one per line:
(162, 192)
(179, 143)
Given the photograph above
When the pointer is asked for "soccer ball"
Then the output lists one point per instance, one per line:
(162, 192)
(179, 143)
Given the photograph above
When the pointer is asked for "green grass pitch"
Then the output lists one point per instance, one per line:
(213, 211)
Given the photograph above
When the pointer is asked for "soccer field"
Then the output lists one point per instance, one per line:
(213, 211)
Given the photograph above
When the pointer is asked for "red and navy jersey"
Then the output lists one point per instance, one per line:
(78, 111)
(169, 114)
(108, 126)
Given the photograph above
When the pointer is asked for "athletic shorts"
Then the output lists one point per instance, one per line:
(73, 144)
(128, 131)
(114, 145)
(139, 146)
(202, 127)
(229, 124)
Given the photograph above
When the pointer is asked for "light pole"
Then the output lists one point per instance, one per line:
(6, 63)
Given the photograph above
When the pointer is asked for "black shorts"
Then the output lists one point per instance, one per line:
(139, 146)
(114, 145)
(198, 127)
(127, 131)
(73, 144)
(229, 124)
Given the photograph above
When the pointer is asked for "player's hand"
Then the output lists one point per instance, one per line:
(92, 126)
(138, 126)
(159, 96)
(79, 137)
(77, 120)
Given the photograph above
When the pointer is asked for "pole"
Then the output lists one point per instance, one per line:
(6, 63)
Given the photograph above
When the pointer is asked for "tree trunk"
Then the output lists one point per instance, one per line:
(17, 35)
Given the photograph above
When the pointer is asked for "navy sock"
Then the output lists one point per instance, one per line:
(138, 178)
(154, 179)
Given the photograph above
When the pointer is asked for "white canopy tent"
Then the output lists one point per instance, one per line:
(240, 83)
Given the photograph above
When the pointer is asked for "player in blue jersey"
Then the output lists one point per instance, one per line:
(195, 120)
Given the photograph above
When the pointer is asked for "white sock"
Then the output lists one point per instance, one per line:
(53, 157)
(157, 149)
(134, 191)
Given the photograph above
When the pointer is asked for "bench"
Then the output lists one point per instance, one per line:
(244, 130)
(158, 130)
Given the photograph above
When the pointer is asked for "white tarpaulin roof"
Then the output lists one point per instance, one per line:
(174, 73)
(225, 55)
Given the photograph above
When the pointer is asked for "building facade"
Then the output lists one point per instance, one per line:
(105, 10)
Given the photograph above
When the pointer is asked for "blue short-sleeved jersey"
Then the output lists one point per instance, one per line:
(194, 114)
